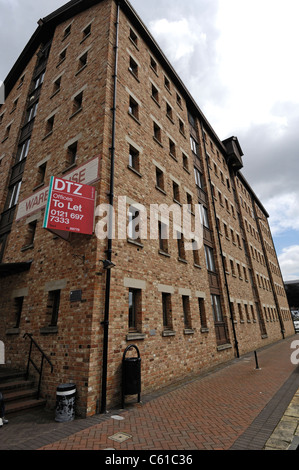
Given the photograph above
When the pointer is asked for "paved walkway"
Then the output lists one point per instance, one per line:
(233, 407)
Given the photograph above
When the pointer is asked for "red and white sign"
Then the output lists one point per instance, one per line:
(87, 173)
(70, 207)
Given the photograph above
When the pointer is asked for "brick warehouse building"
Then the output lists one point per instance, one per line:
(92, 99)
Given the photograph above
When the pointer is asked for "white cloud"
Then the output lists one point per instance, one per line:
(284, 213)
(289, 263)
(179, 39)
(256, 50)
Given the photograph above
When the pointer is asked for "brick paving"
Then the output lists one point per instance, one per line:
(233, 407)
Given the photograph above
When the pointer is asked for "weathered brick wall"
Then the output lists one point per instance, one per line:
(76, 349)
(72, 349)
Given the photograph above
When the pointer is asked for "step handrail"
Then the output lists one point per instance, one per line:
(30, 361)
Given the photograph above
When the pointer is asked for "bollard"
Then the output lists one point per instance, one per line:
(256, 362)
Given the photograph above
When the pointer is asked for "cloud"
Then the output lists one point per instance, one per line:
(289, 263)
(18, 22)
(284, 210)
(180, 33)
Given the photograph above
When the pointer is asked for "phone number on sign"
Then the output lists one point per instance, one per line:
(61, 217)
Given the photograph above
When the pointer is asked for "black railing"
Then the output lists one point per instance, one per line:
(30, 361)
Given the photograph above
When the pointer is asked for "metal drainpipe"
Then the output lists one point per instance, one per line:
(221, 252)
(105, 323)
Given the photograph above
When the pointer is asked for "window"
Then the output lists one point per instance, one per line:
(18, 306)
(198, 178)
(232, 236)
(72, 154)
(86, 32)
(31, 229)
(225, 263)
(176, 191)
(240, 312)
(182, 127)
(252, 313)
(185, 162)
(159, 179)
(133, 37)
(216, 307)
(172, 150)
(15, 104)
(239, 271)
(41, 174)
(134, 158)
(67, 31)
(202, 313)
(190, 202)
(133, 108)
(179, 100)
(134, 309)
(23, 151)
(181, 246)
(169, 112)
(153, 64)
(43, 55)
(186, 311)
(21, 81)
(13, 195)
(39, 80)
(50, 125)
(133, 67)
(155, 94)
(163, 237)
(57, 85)
(191, 120)
(247, 312)
(133, 228)
(167, 83)
(227, 205)
(82, 61)
(53, 307)
(77, 104)
(195, 251)
(62, 56)
(31, 112)
(167, 313)
(194, 145)
(233, 312)
(209, 258)
(157, 133)
(204, 216)
(232, 267)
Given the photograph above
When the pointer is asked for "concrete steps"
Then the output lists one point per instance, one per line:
(19, 394)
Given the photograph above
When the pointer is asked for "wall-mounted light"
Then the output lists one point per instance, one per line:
(107, 264)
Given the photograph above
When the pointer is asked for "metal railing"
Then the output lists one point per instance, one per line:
(30, 361)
